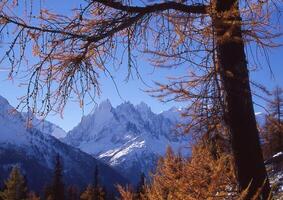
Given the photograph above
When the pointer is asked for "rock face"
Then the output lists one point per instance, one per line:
(129, 138)
(45, 126)
(34, 152)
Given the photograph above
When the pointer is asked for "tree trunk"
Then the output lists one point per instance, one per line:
(239, 116)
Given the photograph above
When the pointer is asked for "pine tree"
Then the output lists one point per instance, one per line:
(141, 187)
(33, 196)
(99, 190)
(72, 193)
(56, 190)
(15, 186)
(94, 191)
(96, 177)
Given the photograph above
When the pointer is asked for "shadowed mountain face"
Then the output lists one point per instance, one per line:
(129, 138)
(34, 152)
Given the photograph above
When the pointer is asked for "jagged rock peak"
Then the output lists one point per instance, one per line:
(105, 105)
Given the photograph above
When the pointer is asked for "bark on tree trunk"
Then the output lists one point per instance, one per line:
(240, 115)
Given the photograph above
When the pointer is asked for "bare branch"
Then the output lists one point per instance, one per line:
(171, 5)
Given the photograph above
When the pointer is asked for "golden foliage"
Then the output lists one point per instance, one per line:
(200, 177)
(92, 192)
(126, 193)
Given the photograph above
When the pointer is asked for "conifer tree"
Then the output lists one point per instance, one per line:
(72, 193)
(96, 177)
(15, 186)
(200, 177)
(141, 187)
(56, 190)
(88, 194)
(94, 191)
(99, 190)
(33, 196)
(276, 105)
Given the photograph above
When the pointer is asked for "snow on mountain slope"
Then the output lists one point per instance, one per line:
(45, 126)
(13, 127)
(260, 118)
(128, 137)
(35, 151)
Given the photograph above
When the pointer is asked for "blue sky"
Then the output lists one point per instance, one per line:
(133, 89)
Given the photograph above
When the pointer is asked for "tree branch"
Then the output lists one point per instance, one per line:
(128, 23)
(194, 8)
(37, 28)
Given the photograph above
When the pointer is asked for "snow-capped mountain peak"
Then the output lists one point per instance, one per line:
(128, 137)
(105, 105)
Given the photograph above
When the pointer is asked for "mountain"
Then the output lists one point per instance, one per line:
(129, 138)
(45, 126)
(260, 118)
(34, 152)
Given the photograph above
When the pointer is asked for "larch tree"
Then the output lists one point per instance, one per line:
(198, 177)
(207, 36)
(207, 178)
(276, 104)
(15, 186)
(88, 194)
(273, 128)
(93, 193)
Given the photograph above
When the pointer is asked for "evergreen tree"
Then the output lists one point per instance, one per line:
(99, 190)
(56, 190)
(33, 196)
(96, 177)
(276, 105)
(72, 193)
(15, 187)
(140, 191)
(94, 191)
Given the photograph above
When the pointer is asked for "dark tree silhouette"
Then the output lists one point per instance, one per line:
(140, 190)
(72, 193)
(56, 191)
(95, 190)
